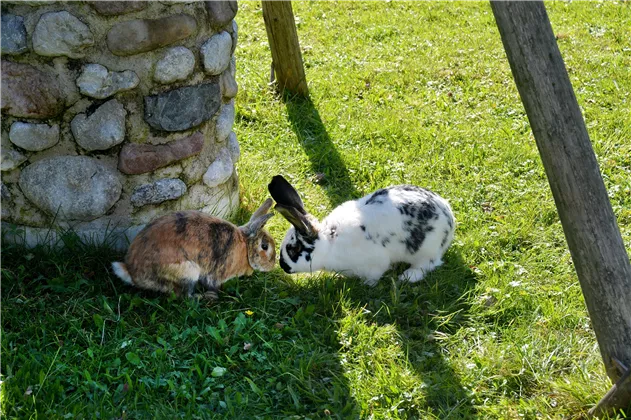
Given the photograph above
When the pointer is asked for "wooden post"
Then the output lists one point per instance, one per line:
(283, 41)
(589, 224)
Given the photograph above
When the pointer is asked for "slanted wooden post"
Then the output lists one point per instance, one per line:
(589, 224)
(283, 41)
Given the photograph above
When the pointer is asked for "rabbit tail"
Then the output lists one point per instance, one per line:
(120, 269)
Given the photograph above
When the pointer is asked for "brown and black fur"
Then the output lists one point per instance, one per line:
(176, 252)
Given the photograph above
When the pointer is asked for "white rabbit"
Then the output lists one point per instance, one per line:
(363, 237)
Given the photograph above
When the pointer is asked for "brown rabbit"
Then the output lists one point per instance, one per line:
(176, 251)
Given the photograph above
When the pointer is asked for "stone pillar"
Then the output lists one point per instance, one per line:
(114, 113)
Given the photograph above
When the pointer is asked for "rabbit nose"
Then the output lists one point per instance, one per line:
(284, 265)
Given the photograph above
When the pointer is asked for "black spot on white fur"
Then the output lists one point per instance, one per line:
(298, 246)
(284, 265)
(450, 220)
(294, 250)
(444, 241)
(417, 214)
(377, 196)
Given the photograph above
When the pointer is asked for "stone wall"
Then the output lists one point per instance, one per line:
(114, 113)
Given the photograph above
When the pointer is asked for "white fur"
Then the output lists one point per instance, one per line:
(343, 247)
(121, 271)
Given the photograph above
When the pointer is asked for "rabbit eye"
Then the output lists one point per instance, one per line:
(264, 246)
(294, 251)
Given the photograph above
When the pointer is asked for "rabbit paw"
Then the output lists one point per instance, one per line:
(372, 282)
(412, 275)
(208, 295)
(417, 273)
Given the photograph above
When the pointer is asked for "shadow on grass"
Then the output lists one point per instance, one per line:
(422, 315)
(115, 349)
(425, 313)
(124, 352)
(324, 157)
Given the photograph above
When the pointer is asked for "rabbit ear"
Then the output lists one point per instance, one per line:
(262, 210)
(256, 224)
(283, 193)
(300, 221)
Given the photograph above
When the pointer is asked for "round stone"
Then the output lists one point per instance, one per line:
(98, 82)
(234, 36)
(229, 87)
(115, 8)
(60, 33)
(183, 108)
(6, 194)
(158, 192)
(142, 35)
(220, 170)
(216, 53)
(140, 158)
(220, 13)
(13, 34)
(71, 187)
(29, 92)
(233, 147)
(104, 129)
(10, 159)
(225, 121)
(33, 137)
(176, 64)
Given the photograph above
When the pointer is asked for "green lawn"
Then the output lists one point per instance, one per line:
(414, 92)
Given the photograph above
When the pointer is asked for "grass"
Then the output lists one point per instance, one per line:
(416, 92)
